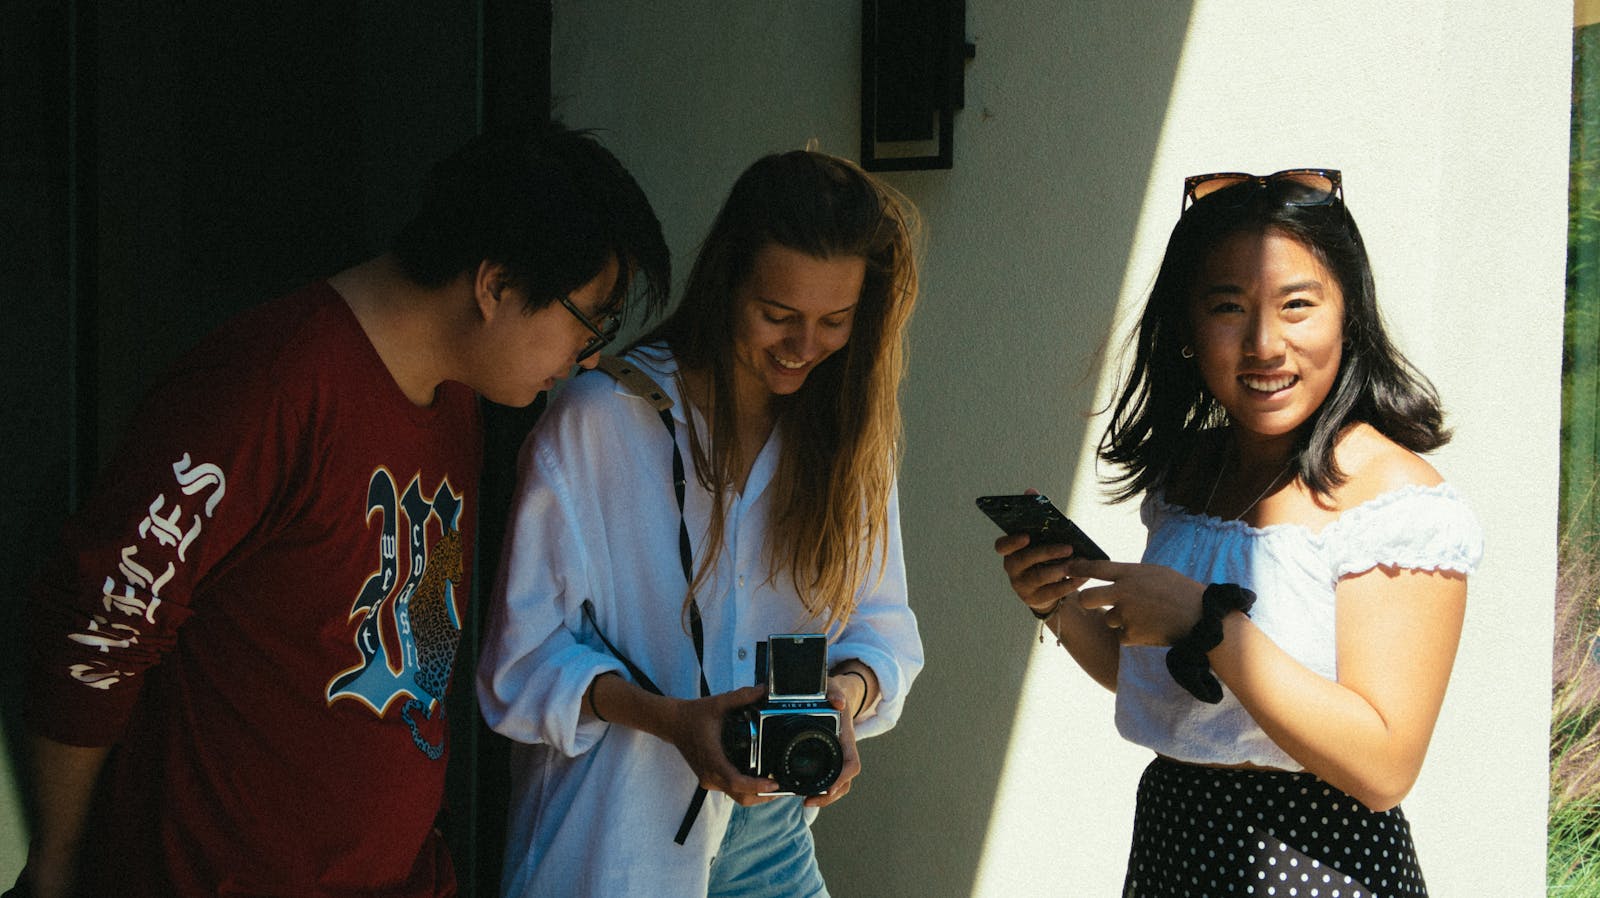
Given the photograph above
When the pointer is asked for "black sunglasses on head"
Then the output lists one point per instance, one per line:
(1322, 185)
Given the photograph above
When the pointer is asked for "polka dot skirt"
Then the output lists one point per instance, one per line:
(1203, 831)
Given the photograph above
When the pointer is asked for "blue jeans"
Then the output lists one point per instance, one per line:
(767, 853)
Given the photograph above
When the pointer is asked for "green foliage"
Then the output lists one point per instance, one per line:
(1573, 866)
(1573, 863)
(1580, 368)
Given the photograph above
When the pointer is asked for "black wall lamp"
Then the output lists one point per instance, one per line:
(912, 58)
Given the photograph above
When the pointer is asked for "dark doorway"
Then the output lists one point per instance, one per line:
(165, 167)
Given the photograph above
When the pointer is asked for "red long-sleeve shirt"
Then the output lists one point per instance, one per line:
(260, 607)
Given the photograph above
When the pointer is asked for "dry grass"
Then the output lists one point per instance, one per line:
(1574, 851)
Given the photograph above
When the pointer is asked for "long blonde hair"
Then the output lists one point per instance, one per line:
(841, 431)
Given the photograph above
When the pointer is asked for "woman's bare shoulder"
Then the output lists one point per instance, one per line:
(1373, 465)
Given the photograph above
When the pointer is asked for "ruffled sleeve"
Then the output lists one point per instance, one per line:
(1427, 528)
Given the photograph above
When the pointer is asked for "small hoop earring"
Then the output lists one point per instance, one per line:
(1186, 352)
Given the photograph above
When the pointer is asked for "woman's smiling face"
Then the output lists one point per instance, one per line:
(790, 313)
(1267, 319)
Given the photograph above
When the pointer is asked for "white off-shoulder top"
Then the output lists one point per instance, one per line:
(1293, 572)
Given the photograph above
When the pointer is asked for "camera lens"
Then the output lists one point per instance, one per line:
(809, 759)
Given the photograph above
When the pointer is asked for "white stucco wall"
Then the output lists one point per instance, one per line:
(1006, 778)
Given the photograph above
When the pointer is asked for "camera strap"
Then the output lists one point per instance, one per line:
(640, 383)
(639, 676)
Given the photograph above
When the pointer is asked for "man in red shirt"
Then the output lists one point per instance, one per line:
(247, 634)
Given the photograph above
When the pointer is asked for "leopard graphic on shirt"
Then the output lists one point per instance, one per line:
(407, 632)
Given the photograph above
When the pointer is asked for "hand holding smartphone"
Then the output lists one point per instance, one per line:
(1042, 521)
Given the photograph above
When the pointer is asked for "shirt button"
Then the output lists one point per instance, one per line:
(742, 653)
(741, 581)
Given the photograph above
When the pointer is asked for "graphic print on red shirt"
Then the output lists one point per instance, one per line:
(412, 657)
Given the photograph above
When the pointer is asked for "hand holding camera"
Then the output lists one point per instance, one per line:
(802, 725)
(792, 735)
(840, 697)
(694, 727)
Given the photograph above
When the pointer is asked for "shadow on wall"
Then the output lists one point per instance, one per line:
(1028, 244)
(230, 157)
(33, 275)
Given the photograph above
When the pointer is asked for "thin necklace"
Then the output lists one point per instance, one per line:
(1218, 482)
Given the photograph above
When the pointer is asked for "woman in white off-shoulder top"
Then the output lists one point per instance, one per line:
(1285, 645)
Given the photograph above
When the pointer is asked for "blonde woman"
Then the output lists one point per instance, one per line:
(782, 365)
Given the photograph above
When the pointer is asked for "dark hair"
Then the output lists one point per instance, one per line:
(1163, 407)
(841, 429)
(548, 203)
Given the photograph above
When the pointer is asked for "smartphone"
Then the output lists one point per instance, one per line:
(1042, 521)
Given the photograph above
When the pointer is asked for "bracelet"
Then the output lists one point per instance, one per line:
(1046, 615)
(1186, 660)
(865, 688)
(589, 694)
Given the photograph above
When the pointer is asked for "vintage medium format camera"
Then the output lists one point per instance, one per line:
(793, 736)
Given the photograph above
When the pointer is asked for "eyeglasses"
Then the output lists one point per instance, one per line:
(1322, 185)
(604, 332)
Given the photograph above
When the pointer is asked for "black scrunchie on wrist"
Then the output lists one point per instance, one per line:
(1186, 660)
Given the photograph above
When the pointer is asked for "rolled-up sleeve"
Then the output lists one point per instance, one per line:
(535, 668)
(882, 633)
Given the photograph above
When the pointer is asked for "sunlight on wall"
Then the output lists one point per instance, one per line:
(1006, 776)
(1407, 108)
(1063, 812)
